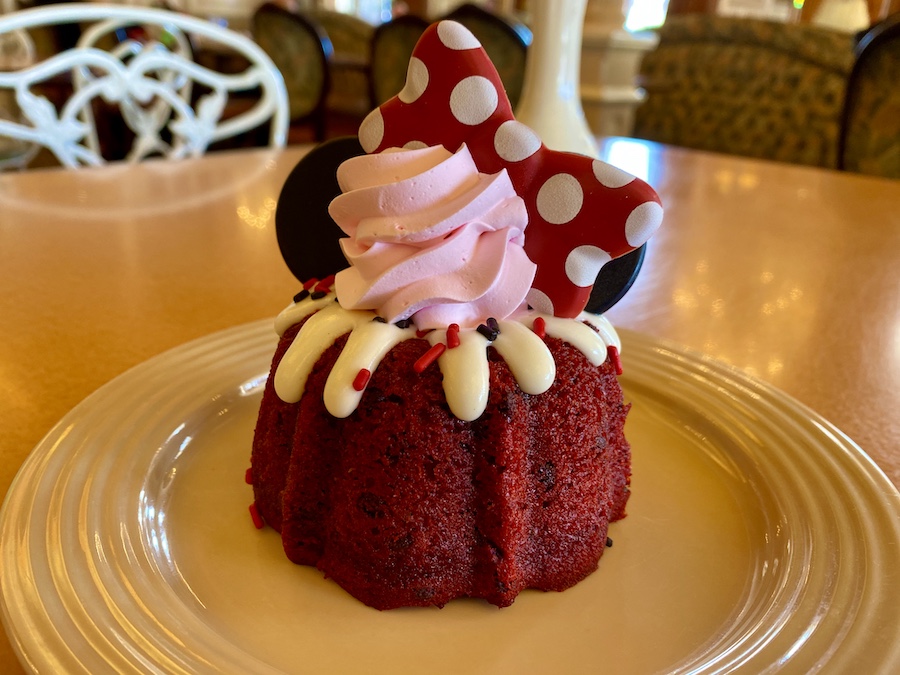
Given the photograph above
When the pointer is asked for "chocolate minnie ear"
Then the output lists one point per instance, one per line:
(307, 236)
(614, 280)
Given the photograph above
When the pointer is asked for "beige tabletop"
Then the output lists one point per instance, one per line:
(788, 273)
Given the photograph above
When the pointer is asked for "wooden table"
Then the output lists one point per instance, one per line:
(788, 273)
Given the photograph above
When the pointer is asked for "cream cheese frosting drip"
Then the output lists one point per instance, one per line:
(297, 311)
(320, 330)
(431, 239)
(466, 376)
(528, 358)
(366, 346)
(465, 371)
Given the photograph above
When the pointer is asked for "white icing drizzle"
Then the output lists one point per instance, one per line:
(465, 370)
(528, 358)
(580, 336)
(296, 312)
(366, 346)
(317, 334)
(466, 373)
(604, 326)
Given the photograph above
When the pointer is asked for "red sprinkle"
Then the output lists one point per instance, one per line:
(309, 284)
(257, 519)
(326, 283)
(613, 354)
(453, 336)
(540, 327)
(248, 476)
(361, 379)
(423, 333)
(429, 357)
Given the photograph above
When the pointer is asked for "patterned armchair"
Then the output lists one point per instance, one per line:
(746, 87)
(870, 134)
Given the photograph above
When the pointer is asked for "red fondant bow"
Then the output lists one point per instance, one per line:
(582, 212)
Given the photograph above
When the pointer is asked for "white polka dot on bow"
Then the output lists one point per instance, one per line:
(584, 263)
(642, 223)
(416, 81)
(455, 36)
(473, 100)
(560, 198)
(610, 176)
(515, 142)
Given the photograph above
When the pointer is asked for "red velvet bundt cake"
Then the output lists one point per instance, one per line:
(441, 419)
(404, 504)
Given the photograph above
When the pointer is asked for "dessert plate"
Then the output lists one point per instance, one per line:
(759, 539)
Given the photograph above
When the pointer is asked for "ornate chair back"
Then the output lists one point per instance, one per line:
(147, 79)
(16, 52)
(146, 119)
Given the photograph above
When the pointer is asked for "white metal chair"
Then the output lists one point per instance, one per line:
(149, 80)
(147, 120)
(16, 52)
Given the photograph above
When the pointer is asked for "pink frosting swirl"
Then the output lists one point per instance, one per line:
(431, 239)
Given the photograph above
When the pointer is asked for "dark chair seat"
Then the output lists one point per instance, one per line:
(870, 132)
(351, 37)
(301, 51)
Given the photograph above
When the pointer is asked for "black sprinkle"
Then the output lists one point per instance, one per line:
(403, 323)
(318, 295)
(608, 542)
(487, 332)
(380, 319)
(493, 325)
(302, 295)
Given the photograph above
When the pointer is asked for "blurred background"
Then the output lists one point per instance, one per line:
(811, 82)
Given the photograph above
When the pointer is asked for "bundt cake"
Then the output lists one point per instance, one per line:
(404, 504)
(441, 418)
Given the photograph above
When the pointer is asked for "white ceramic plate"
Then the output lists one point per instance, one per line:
(759, 538)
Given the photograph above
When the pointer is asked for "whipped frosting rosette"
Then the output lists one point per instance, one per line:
(431, 239)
